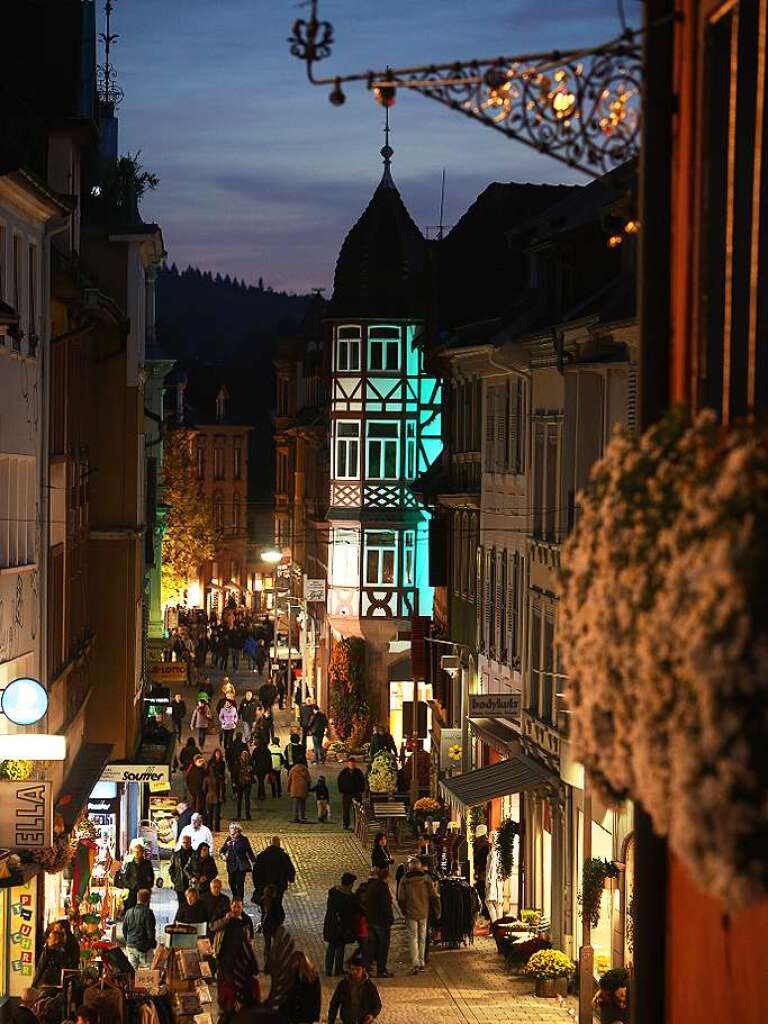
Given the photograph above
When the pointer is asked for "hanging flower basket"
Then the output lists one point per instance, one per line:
(665, 641)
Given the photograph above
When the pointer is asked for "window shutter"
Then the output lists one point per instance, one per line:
(490, 429)
(502, 416)
(479, 597)
(512, 596)
(514, 409)
(502, 601)
(632, 400)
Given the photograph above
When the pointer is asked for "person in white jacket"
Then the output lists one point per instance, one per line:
(197, 832)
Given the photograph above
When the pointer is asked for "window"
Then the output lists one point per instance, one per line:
(516, 425)
(516, 577)
(409, 554)
(548, 665)
(410, 449)
(18, 511)
(346, 558)
(218, 512)
(546, 473)
(218, 459)
(282, 473)
(220, 398)
(237, 464)
(236, 513)
(2, 264)
(383, 454)
(535, 658)
(383, 348)
(347, 349)
(502, 608)
(17, 285)
(32, 304)
(283, 396)
(200, 461)
(347, 450)
(380, 558)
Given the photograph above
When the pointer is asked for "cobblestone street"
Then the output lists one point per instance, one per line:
(466, 986)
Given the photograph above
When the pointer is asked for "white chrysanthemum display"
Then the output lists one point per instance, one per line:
(665, 638)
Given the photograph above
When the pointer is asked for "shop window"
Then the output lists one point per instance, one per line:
(348, 350)
(347, 450)
(383, 450)
(380, 558)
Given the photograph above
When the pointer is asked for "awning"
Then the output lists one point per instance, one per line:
(514, 775)
(82, 776)
(497, 733)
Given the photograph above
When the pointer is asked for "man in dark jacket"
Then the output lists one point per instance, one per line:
(193, 910)
(267, 695)
(318, 725)
(295, 752)
(382, 740)
(218, 906)
(247, 713)
(351, 783)
(139, 931)
(177, 870)
(306, 711)
(137, 874)
(356, 999)
(273, 866)
(178, 714)
(341, 924)
(376, 900)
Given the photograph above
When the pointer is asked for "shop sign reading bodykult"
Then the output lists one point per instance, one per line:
(494, 705)
(26, 815)
(154, 774)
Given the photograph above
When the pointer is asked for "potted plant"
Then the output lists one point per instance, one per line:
(594, 875)
(505, 846)
(612, 996)
(424, 810)
(382, 778)
(338, 749)
(551, 969)
(530, 918)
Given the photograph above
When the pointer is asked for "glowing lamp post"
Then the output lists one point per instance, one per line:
(24, 701)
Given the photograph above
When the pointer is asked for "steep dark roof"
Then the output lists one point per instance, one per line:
(381, 266)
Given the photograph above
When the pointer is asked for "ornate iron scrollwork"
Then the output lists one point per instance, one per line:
(580, 107)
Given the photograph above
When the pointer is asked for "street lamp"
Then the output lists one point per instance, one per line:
(271, 555)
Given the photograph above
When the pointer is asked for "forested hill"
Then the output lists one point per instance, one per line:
(204, 316)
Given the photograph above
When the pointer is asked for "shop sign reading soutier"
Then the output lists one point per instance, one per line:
(26, 815)
(494, 705)
(137, 773)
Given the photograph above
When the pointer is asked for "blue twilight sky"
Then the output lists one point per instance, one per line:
(260, 175)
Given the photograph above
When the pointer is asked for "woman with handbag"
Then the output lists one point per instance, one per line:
(239, 858)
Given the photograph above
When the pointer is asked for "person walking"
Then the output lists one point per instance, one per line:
(323, 797)
(376, 901)
(302, 1003)
(416, 897)
(272, 916)
(382, 740)
(273, 867)
(247, 713)
(261, 659)
(178, 714)
(295, 751)
(267, 694)
(201, 869)
(139, 931)
(242, 781)
(218, 906)
(261, 760)
(351, 783)
(356, 999)
(197, 832)
(298, 787)
(201, 719)
(278, 763)
(187, 754)
(228, 722)
(193, 910)
(380, 856)
(306, 711)
(236, 966)
(316, 730)
(214, 789)
(236, 641)
(137, 874)
(239, 858)
(340, 926)
(177, 868)
(250, 647)
(194, 780)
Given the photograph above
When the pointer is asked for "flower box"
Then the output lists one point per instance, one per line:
(551, 988)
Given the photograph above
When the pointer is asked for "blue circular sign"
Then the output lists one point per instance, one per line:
(24, 701)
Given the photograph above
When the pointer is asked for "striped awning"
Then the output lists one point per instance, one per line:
(514, 775)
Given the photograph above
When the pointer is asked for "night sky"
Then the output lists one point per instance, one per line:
(260, 175)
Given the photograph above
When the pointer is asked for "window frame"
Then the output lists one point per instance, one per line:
(409, 549)
(384, 442)
(384, 344)
(347, 343)
(346, 443)
(410, 448)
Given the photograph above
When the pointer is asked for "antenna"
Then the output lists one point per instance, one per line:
(442, 207)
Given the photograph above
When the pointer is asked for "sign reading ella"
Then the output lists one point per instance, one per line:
(152, 773)
(494, 705)
(26, 815)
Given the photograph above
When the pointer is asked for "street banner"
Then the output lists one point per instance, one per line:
(22, 926)
(494, 705)
(151, 773)
(168, 672)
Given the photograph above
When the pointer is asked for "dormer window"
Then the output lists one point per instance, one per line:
(348, 350)
(220, 400)
(383, 348)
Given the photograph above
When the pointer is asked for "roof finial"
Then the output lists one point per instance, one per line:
(387, 152)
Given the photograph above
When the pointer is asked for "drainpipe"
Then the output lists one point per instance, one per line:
(586, 952)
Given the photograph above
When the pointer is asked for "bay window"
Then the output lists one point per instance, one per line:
(380, 558)
(383, 450)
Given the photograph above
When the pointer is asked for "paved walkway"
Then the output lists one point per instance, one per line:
(466, 986)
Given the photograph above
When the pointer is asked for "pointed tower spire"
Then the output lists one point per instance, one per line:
(387, 152)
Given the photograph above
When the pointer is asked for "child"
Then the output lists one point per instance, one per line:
(320, 789)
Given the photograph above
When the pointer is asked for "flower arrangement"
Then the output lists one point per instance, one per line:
(382, 777)
(530, 918)
(549, 963)
(593, 876)
(505, 846)
(427, 806)
(16, 770)
(337, 747)
(665, 641)
(348, 690)
(54, 858)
